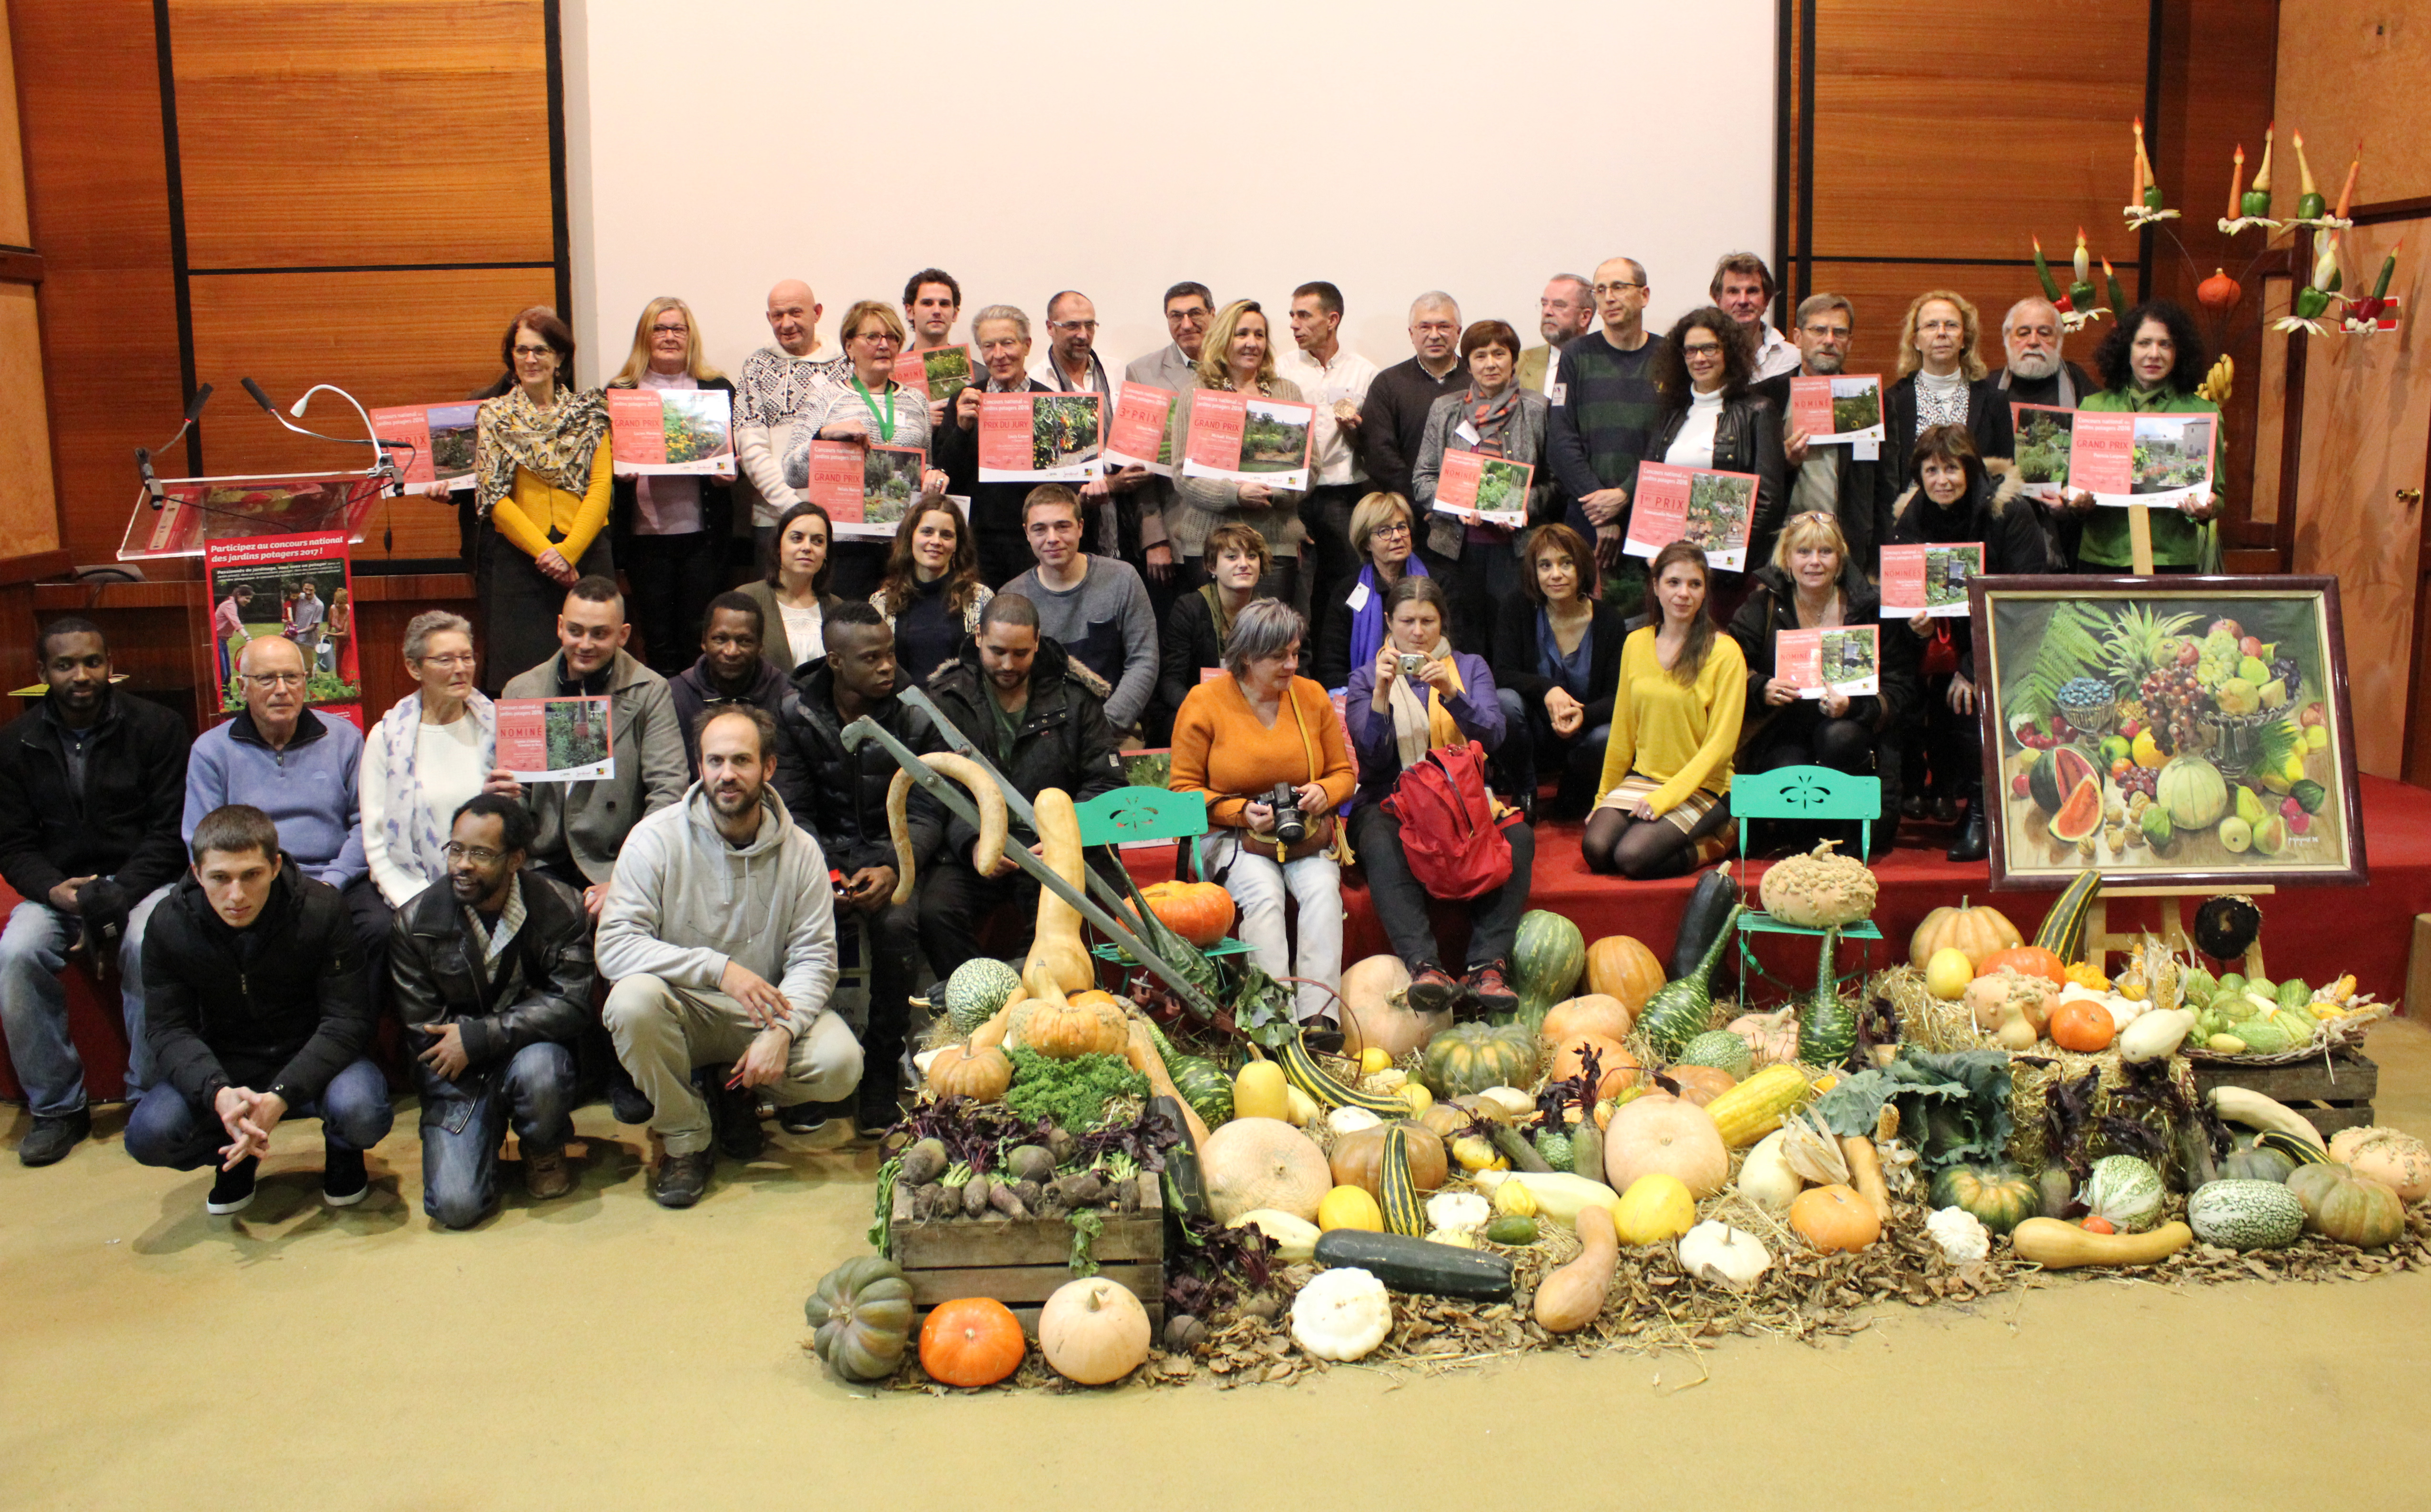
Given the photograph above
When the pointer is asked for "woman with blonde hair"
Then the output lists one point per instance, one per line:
(1810, 583)
(1664, 803)
(1200, 626)
(671, 529)
(542, 470)
(1237, 357)
(867, 408)
(1383, 533)
(932, 595)
(1941, 381)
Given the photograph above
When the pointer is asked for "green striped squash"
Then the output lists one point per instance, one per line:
(1548, 958)
(2245, 1215)
(2063, 930)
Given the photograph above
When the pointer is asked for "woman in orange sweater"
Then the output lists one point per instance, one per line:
(542, 474)
(1237, 739)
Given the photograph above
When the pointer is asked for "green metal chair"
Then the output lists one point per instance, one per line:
(1129, 813)
(1808, 794)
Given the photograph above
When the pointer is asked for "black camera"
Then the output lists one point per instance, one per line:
(1290, 828)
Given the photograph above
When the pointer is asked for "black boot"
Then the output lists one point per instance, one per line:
(1975, 840)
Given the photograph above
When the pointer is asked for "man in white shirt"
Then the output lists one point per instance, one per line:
(932, 301)
(1120, 524)
(1564, 312)
(1336, 383)
(1743, 287)
(773, 392)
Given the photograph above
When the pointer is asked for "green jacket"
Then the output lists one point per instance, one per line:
(2177, 541)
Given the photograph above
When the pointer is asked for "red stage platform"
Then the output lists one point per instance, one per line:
(2315, 933)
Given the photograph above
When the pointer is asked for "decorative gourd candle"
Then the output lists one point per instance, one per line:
(2080, 294)
(2309, 203)
(2346, 191)
(2237, 182)
(2257, 194)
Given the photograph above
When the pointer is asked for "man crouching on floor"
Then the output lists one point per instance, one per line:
(713, 898)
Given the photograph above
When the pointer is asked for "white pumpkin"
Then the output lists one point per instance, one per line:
(1764, 1176)
(1724, 1255)
(1342, 1314)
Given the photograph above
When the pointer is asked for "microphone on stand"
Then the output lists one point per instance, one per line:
(385, 468)
(144, 455)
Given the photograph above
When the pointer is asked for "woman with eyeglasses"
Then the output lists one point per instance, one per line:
(1381, 532)
(542, 472)
(1713, 419)
(1496, 417)
(435, 748)
(869, 409)
(1811, 584)
(670, 530)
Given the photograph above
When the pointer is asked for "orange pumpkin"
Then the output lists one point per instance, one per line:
(1701, 1084)
(1595, 1014)
(980, 1075)
(1975, 932)
(1620, 1069)
(1623, 967)
(1060, 1031)
(2086, 1027)
(1200, 912)
(973, 1341)
(1831, 1219)
(2033, 959)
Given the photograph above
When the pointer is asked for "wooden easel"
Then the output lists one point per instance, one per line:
(2099, 938)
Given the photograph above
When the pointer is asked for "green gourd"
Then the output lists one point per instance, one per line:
(1711, 914)
(1683, 1008)
(1827, 1022)
(1406, 1264)
(1548, 957)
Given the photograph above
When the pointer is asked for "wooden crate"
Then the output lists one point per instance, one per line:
(1020, 1262)
(2332, 1095)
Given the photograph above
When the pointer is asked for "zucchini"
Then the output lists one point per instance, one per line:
(1707, 920)
(1406, 1264)
(1181, 1174)
(1515, 1148)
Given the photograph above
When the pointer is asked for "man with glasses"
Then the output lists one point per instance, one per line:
(89, 785)
(1118, 522)
(1603, 420)
(1393, 421)
(1564, 313)
(1836, 478)
(492, 976)
(772, 395)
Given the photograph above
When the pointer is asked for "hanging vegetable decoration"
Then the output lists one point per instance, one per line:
(2364, 315)
(2144, 200)
(2315, 298)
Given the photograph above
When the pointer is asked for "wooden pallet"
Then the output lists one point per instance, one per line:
(2332, 1095)
(1020, 1262)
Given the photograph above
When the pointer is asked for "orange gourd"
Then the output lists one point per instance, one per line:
(1202, 913)
(1358, 1159)
(1833, 1219)
(1701, 1084)
(2033, 959)
(1060, 1031)
(982, 1075)
(1622, 967)
(973, 1341)
(1618, 1068)
(1975, 932)
(1595, 1014)
(2086, 1027)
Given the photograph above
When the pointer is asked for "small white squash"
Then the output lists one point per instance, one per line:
(1961, 1234)
(1341, 1314)
(1724, 1255)
(1764, 1176)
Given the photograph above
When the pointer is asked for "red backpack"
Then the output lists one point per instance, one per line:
(1449, 835)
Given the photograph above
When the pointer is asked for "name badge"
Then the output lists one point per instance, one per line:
(1466, 431)
(1359, 596)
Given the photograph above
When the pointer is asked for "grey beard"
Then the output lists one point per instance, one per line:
(2033, 365)
(1826, 365)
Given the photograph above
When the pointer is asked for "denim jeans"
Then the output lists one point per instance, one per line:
(167, 1129)
(34, 1005)
(460, 1133)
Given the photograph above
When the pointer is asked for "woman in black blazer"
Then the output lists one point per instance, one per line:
(1556, 667)
(1714, 419)
(672, 544)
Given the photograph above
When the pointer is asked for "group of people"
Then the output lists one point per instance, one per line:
(676, 932)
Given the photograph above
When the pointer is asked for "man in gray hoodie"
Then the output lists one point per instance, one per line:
(719, 940)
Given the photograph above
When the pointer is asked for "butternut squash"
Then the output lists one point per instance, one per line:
(2056, 1244)
(1055, 943)
(1866, 1173)
(984, 792)
(1570, 1298)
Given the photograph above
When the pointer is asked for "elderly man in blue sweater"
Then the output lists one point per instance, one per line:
(299, 767)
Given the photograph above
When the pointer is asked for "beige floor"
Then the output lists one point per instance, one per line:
(602, 1354)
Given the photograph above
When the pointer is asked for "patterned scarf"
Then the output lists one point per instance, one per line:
(1491, 418)
(411, 828)
(556, 443)
(1214, 597)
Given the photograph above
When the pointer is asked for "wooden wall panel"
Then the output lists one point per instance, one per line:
(14, 229)
(333, 133)
(2355, 71)
(1881, 292)
(387, 338)
(30, 516)
(1953, 131)
(88, 87)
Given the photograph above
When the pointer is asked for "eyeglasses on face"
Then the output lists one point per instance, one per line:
(1396, 528)
(1072, 324)
(478, 855)
(274, 680)
(450, 660)
(535, 353)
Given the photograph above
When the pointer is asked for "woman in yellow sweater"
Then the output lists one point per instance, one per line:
(1239, 737)
(542, 474)
(1663, 805)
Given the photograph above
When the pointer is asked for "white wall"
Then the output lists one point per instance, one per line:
(1118, 146)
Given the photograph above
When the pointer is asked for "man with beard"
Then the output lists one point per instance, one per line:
(731, 670)
(494, 973)
(719, 938)
(1001, 333)
(2038, 373)
(1564, 312)
(932, 301)
(1830, 477)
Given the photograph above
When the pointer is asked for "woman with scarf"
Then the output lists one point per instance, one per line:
(543, 476)
(1664, 807)
(1956, 499)
(869, 409)
(436, 748)
(1237, 357)
(1381, 532)
(932, 594)
(1200, 625)
(1494, 418)
(1396, 717)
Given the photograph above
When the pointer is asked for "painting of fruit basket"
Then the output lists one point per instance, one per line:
(2173, 729)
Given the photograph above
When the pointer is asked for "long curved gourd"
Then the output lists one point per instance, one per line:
(984, 792)
(1058, 962)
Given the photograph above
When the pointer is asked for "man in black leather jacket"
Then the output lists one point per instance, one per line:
(492, 976)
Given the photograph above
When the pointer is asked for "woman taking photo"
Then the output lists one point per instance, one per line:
(1954, 500)
(1201, 623)
(1712, 419)
(869, 409)
(670, 530)
(542, 472)
(1662, 806)
(1237, 357)
(436, 748)
(794, 598)
(932, 594)
(2150, 363)
(1811, 584)
(1556, 662)
(1495, 417)
(1241, 735)
(1381, 534)
(1443, 699)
